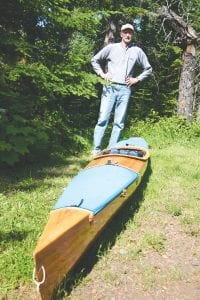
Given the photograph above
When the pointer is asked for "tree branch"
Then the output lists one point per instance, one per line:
(187, 35)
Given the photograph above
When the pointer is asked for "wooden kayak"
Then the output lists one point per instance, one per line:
(84, 208)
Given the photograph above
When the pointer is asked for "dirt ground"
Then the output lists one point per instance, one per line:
(174, 275)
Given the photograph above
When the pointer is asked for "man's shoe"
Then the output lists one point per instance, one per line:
(95, 153)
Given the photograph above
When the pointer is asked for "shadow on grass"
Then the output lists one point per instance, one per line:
(105, 240)
(13, 236)
(28, 176)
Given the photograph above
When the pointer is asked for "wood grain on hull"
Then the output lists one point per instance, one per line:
(131, 163)
(70, 231)
(58, 249)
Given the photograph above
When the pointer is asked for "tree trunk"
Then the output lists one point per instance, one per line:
(110, 34)
(187, 84)
(187, 42)
(109, 39)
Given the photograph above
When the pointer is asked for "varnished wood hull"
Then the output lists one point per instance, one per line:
(70, 231)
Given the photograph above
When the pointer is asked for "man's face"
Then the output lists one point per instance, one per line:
(127, 36)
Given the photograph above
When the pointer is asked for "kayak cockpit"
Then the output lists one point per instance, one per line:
(130, 151)
(125, 151)
(135, 147)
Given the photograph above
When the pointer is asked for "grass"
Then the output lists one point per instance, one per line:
(171, 189)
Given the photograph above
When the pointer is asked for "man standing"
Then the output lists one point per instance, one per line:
(120, 59)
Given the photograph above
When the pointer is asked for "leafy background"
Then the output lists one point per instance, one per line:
(49, 95)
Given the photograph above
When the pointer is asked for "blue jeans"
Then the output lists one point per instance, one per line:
(113, 95)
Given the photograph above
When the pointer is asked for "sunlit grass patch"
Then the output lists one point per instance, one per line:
(154, 241)
(149, 241)
(174, 210)
(153, 277)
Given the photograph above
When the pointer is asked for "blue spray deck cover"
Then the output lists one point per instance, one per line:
(96, 187)
(135, 141)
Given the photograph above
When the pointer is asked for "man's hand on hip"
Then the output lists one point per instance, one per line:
(105, 76)
(131, 81)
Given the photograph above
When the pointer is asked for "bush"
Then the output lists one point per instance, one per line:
(17, 136)
(162, 131)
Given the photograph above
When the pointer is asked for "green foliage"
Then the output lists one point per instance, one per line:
(17, 135)
(43, 66)
(47, 86)
(165, 130)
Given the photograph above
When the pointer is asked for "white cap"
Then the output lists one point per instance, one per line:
(127, 26)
